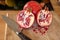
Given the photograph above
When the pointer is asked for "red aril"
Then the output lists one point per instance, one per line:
(44, 18)
(35, 6)
(25, 18)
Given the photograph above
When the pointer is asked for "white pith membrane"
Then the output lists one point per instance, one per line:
(26, 15)
(45, 18)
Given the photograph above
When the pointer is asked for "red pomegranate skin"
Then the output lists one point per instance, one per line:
(35, 6)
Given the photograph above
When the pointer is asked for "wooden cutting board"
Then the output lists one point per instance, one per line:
(55, 6)
(7, 34)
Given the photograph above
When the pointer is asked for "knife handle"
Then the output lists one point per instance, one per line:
(23, 37)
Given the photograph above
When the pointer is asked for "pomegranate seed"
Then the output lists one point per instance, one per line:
(34, 30)
(20, 18)
(42, 30)
(27, 21)
(46, 28)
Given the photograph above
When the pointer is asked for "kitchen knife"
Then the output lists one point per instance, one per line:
(14, 26)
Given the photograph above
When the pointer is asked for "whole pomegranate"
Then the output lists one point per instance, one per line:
(35, 6)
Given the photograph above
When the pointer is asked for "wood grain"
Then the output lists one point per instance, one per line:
(56, 6)
(2, 28)
(52, 34)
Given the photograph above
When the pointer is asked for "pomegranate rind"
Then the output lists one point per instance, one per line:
(35, 6)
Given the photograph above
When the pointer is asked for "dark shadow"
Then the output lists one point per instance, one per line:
(20, 4)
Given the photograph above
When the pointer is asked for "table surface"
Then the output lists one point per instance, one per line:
(55, 6)
(52, 34)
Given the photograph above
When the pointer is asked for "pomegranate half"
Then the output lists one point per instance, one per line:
(44, 18)
(25, 18)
